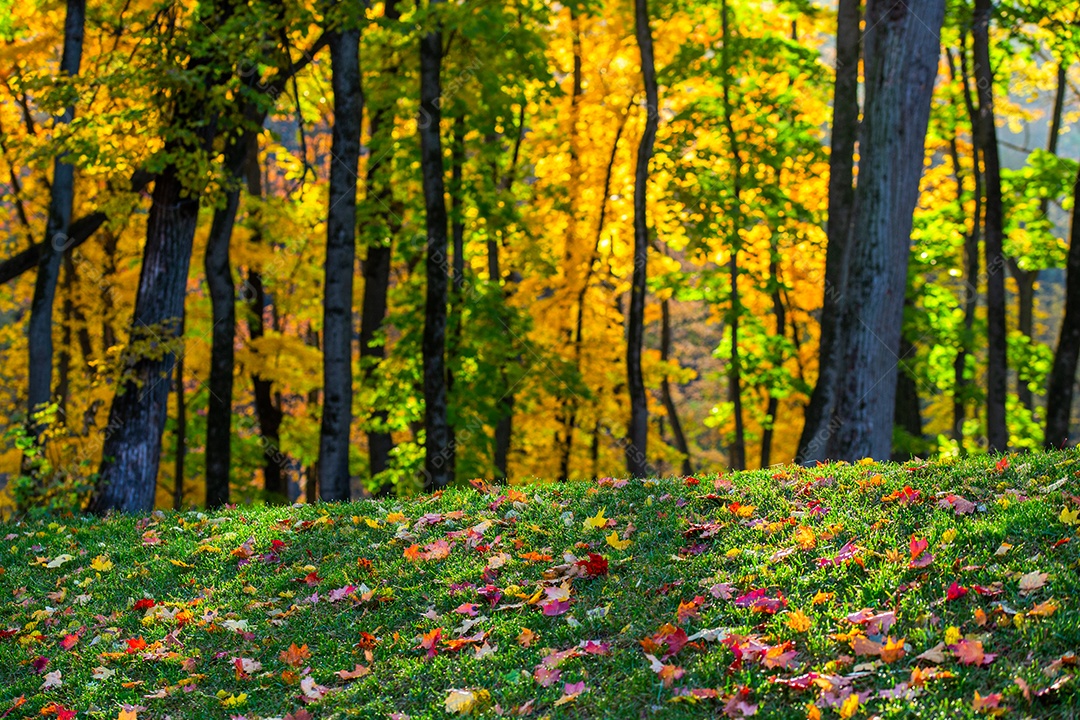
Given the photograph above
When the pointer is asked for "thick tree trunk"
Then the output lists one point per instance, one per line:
(638, 431)
(1063, 373)
(901, 59)
(845, 127)
(132, 447)
(997, 433)
(57, 238)
(437, 450)
(334, 440)
(665, 390)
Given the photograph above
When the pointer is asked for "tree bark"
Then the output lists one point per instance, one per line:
(56, 240)
(901, 59)
(907, 414)
(638, 431)
(334, 439)
(780, 312)
(1063, 373)
(997, 433)
(665, 391)
(845, 128)
(181, 437)
(457, 233)
(437, 449)
(376, 268)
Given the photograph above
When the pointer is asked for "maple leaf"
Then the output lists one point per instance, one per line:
(955, 591)
(1070, 517)
(53, 680)
(295, 656)
(687, 610)
(134, 645)
(59, 560)
(1032, 581)
(989, 703)
(128, 714)
(919, 557)
(101, 563)
(798, 621)
(467, 609)
(1043, 609)
(429, 641)
(555, 607)
(614, 541)
(970, 652)
(571, 691)
(595, 565)
(738, 705)
(526, 637)
(463, 702)
(893, 650)
(597, 521)
(805, 538)
(546, 677)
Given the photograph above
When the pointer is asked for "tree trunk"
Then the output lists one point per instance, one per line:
(780, 312)
(901, 59)
(997, 433)
(1063, 373)
(219, 279)
(845, 127)
(457, 228)
(376, 266)
(665, 390)
(56, 239)
(437, 449)
(638, 431)
(181, 437)
(907, 413)
(334, 439)
(737, 450)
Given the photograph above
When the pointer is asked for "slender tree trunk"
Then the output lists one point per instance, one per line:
(737, 450)
(377, 265)
(780, 313)
(1063, 373)
(997, 433)
(638, 432)
(334, 436)
(181, 437)
(845, 127)
(438, 472)
(901, 59)
(56, 239)
(665, 390)
(457, 228)
(223, 334)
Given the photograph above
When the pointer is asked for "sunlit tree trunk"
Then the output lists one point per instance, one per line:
(334, 436)
(437, 450)
(901, 59)
(845, 127)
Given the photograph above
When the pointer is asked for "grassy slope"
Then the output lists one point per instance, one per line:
(193, 569)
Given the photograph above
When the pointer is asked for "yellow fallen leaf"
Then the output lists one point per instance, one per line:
(181, 563)
(1070, 517)
(952, 635)
(101, 563)
(597, 521)
(798, 621)
(463, 702)
(396, 517)
(614, 541)
(849, 707)
(805, 538)
(822, 597)
(59, 560)
(126, 714)
(948, 536)
(1044, 609)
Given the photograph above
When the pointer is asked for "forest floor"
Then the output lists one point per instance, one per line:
(936, 590)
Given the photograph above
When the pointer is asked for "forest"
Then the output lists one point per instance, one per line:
(280, 250)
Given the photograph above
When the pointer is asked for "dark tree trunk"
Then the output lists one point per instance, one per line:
(457, 299)
(57, 238)
(376, 266)
(737, 450)
(437, 449)
(638, 431)
(665, 390)
(780, 312)
(901, 59)
(1063, 373)
(267, 403)
(845, 128)
(334, 440)
(907, 413)
(132, 447)
(181, 437)
(997, 433)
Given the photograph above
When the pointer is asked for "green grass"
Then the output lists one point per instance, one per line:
(214, 607)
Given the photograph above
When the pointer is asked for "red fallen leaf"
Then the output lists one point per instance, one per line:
(39, 663)
(311, 579)
(358, 671)
(466, 609)
(738, 705)
(1060, 542)
(143, 604)
(674, 637)
(134, 645)
(1002, 464)
(955, 591)
(907, 496)
(692, 481)
(429, 642)
(687, 610)
(545, 676)
(69, 641)
(595, 566)
(19, 702)
(990, 592)
(970, 652)
(555, 607)
(61, 712)
(412, 553)
(759, 601)
(799, 682)
(276, 545)
(990, 702)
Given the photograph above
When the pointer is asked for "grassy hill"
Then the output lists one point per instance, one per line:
(916, 590)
